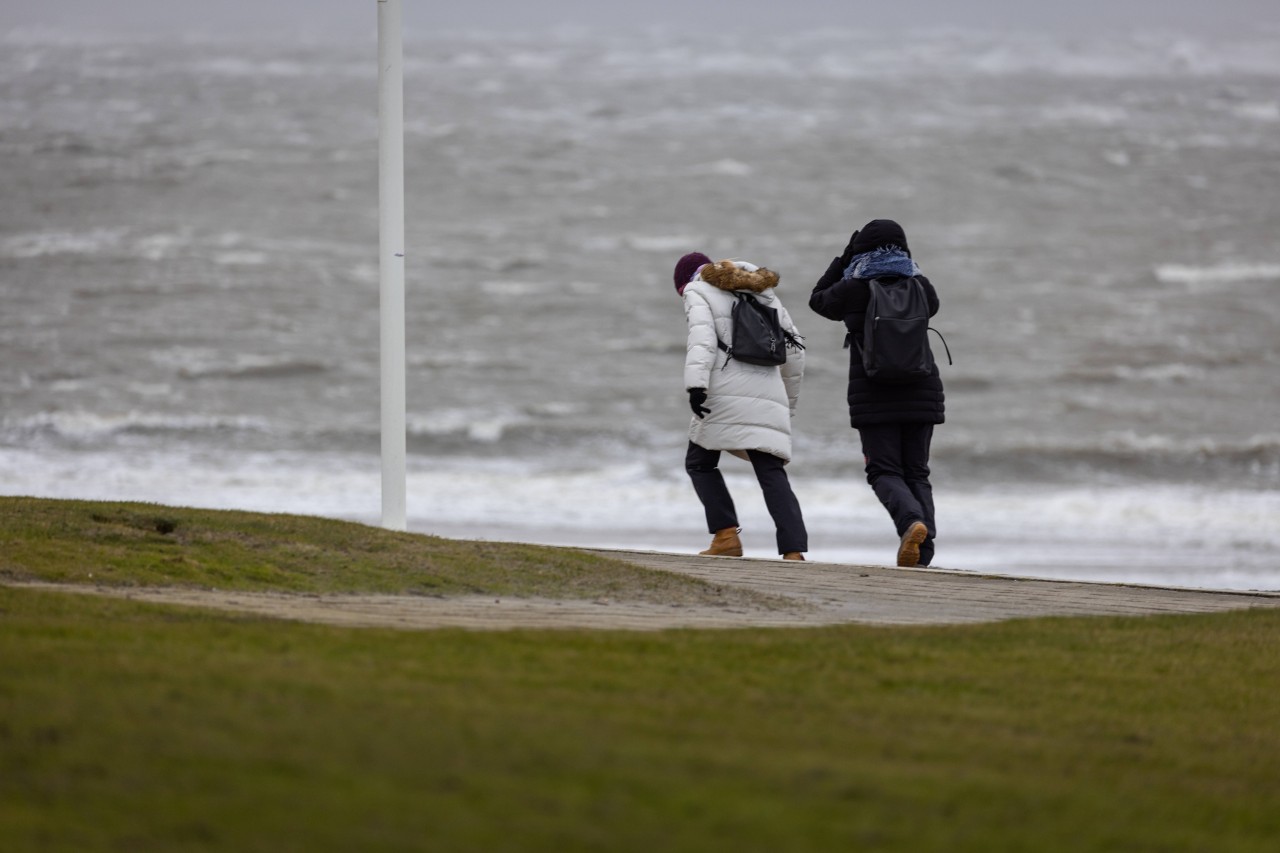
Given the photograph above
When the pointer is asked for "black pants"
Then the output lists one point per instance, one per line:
(897, 457)
(704, 471)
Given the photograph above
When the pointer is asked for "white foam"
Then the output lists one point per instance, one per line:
(727, 167)
(1163, 373)
(1115, 442)
(85, 426)
(157, 247)
(478, 425)
(1101, 115)
(1264, 111)
(234, 66)
(1199, 278)
(203, 363)
(38, 244)
(665, 243)
(513, 288)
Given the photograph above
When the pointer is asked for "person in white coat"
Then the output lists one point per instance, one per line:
(740, 407)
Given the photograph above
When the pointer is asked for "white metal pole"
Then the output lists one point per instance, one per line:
(391, 260)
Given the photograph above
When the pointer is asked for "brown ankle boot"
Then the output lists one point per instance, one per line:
(725, 544)
(793, 555)
(909, 547)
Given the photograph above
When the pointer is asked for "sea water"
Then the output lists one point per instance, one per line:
(189, 284)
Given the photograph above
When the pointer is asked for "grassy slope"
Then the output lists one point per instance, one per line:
(130, 726)
(152, 545)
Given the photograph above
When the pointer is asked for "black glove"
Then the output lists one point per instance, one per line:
(846, 257)
(698, 396)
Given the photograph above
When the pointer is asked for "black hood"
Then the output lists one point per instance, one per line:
(878, 233)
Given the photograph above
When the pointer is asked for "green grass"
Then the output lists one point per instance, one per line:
(127, 726)
(140, 727)
(134, 544)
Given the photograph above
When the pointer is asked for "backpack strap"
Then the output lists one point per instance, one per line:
(944, 344)
(741, 297)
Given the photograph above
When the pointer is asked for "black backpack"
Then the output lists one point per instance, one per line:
(895, 339)
(758, 337)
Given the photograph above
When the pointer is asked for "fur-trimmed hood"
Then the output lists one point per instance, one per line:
(738, 275)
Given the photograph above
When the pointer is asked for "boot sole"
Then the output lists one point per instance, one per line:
(732, 552)
(909, 550)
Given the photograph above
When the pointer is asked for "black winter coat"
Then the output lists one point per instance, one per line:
(870, 403)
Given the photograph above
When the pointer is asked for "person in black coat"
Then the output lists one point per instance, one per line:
(894, 422)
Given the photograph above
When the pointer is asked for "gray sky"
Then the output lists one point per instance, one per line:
(337, 17)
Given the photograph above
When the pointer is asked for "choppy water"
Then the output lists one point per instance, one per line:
(188, 281)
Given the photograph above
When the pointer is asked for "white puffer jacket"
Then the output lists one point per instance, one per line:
(751, 405)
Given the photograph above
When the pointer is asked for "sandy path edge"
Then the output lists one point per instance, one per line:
(820, 594)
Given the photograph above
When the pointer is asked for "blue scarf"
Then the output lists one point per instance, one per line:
(887, 260)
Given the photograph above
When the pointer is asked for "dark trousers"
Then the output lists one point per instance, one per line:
(704, 470)
(897, 457)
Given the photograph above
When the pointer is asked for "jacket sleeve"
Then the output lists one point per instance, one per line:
(930, 295)
(793, 368)
(835, 272)
(700, 351)
(840, 298)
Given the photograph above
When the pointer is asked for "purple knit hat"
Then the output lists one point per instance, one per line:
(686, 267)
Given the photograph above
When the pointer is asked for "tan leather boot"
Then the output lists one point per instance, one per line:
(909, 547)
(793, 555)
(725, 544)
